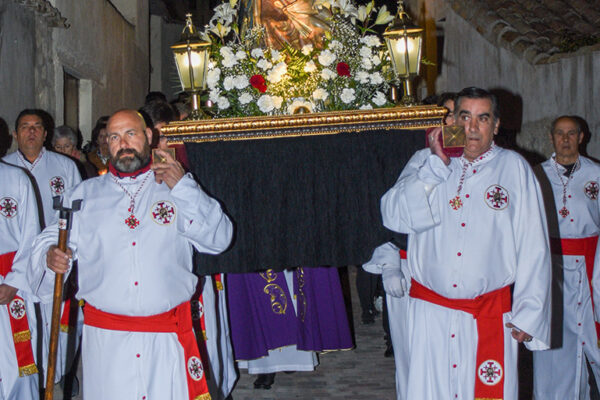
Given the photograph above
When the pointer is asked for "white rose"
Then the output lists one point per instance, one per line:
(275, 55)
(241, 82)
(362, 76)
(366, 107)
(240, 55)
(223, 103)
(347, 96)
(212, 78)
(370, 40)
(307, 49)
(265, 103)
(310, 66)
(245, 98)
(376, 78)
(379, 99)
(326, 58)
(228, 83)
(263, 64)
(320, 94)
(366, 63)
(277, 73)
(229, 61)
(327, 74)
(213, 94)
(257, 53)
(277, 101)
(365, 52)
(376, 60)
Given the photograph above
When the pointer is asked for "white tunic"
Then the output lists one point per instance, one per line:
(18, 227)
(54, 173)
(135, 272)
(497, 238)
(562, 373)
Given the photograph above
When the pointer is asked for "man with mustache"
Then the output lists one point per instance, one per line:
(562, 373)
(54, 173)
(478, 257)
(134, 237)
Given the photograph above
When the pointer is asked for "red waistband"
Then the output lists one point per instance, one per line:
(573, 247)
(6, 262)
(177, 319)
(489, 304)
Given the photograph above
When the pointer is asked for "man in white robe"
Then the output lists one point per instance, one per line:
(53, 173)
(562, 373)
(18, 227)
(476, 227)
(133, 238)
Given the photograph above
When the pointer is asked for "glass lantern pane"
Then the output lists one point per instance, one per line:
(198, 66)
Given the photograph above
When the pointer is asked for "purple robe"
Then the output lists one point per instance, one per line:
(262, 316)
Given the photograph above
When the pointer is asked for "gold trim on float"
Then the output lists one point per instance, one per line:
(328, 123)
(205, 396)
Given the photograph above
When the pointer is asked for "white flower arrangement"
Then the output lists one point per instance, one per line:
(346, 73)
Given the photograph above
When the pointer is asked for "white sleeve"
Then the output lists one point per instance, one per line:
(531, 296)
(407, 207)
(29, 227)
(204, 223)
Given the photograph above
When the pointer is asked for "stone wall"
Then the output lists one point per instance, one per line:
(107, 52)
(533, 95)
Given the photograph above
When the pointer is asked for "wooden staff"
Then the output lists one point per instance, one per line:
(64, 225)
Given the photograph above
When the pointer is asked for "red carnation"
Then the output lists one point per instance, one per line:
(258, 82)
(343, 69)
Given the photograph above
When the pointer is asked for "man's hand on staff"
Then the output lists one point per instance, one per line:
(518, 334)
(170, 171)
(436, 146)
(7, 293)
(57, 260)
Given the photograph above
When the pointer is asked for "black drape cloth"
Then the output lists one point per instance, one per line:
(302, 201)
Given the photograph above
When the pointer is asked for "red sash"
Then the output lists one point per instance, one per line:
(585, 247)
(177, 320)
(487, 310)
(19, 324)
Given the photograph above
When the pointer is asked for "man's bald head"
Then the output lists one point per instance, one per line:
(128, 140)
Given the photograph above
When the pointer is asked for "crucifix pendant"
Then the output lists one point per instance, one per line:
(456, 203)
(564, 212)
(132, 222)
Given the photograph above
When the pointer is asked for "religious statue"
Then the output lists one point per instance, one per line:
(293, 22)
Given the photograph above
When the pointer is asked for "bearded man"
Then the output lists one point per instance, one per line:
(134, 237)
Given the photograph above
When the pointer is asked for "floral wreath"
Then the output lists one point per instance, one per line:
(351, 71)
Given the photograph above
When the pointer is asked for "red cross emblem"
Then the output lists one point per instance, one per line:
(195, 368)
(496, 197)
(591, 190)
(490, 372)
(57, 185)
(8, 207)
(17, 308)
(163, 212)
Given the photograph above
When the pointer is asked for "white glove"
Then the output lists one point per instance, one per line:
(394, 282)
(385, 255)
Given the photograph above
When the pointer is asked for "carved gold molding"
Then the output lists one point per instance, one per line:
(327, 123)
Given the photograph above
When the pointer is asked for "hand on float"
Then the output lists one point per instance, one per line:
(57, 260)
(436, 146)
(169, 171)
(519, 335)
(7, 293)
